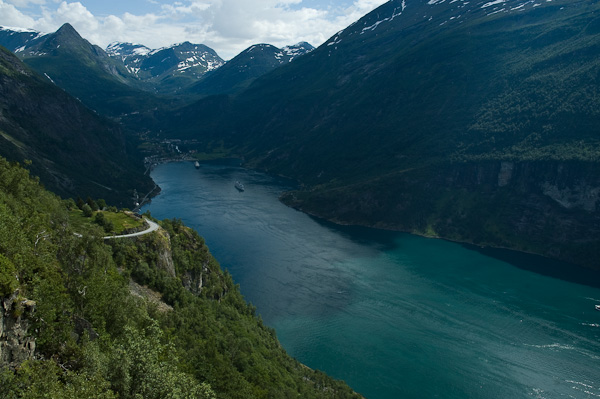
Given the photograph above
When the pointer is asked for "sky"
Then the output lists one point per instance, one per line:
(227, 26)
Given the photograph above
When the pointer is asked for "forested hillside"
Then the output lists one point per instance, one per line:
(153, 317)
(71, 148)
(472, 120)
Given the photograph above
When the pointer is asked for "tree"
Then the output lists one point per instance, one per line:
(99, 218)
(109, 226)
(70, 204)
(101, 204)
(8, 277)
(80, 203)
(87, 211)
(92, 203)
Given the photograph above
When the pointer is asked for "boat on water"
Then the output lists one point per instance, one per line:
(197, 165)
(239, 185)
(597, 307)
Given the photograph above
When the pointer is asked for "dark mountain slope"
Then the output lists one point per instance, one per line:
(243, 69)
(72, 149)
(18, 40)
(475, 121)
(86, 72)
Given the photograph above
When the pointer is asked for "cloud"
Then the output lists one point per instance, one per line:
(228, 26)
(25, 3)
(11, 16)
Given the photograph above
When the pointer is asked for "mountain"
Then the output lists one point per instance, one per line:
(130, 54)
(74, 151)
(16, 39)
(167, 69)
(474, 121)
(148, 317)
(84, 70)
(243, 69)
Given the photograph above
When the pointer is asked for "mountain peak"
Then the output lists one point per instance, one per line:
(66, 35)
(67, 30)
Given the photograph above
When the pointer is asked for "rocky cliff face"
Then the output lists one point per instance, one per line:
(547, 207)
(164, 251)
(16, 345)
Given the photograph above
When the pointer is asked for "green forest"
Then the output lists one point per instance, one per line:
(147, 317)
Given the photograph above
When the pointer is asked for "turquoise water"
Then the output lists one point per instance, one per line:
(394, 315)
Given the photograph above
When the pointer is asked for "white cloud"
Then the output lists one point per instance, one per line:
(25, 3)
(11, 16)
(228, 26)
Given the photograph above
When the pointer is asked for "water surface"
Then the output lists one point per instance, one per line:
(394, 315)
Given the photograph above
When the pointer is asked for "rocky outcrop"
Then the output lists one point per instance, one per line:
(194, 281)
(164, 260)
(149, 295)
(16, 345)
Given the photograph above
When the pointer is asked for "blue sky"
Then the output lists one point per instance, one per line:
(227, 26)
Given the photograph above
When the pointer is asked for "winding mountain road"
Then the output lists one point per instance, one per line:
(152, 227)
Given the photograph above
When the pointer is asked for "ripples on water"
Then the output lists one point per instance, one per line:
(392, 314)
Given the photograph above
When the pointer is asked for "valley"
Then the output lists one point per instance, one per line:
(426, 117)
(472, 122)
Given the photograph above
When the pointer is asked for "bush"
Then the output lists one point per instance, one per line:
(87, 211)
(8, 277)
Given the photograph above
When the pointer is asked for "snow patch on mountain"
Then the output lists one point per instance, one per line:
(18, 30)
(493, 3)
(127, 50)
(195, 60)
(296, 50)
(439, 9)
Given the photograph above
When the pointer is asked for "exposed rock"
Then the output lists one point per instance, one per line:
(161, 244)
(581, 195)
(82, 327)
(505, 174)
(16, 345)
(549, 207)
(149, 295)
(193, 282)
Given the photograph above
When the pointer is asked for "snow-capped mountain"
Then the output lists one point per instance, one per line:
(250, 64)
(290, 53)
(79, 67)
(130, 54)
(17, 39)
(429, 15)
(166, 69)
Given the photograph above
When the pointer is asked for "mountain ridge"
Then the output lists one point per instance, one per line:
(255, 61)
(417, 92)
(86, 72)
(72, 149)
(167, 69)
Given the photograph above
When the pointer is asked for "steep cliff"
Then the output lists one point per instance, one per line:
(545, 207)
(74, 324)
(16, 342)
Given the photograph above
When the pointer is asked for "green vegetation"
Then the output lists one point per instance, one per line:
(72, 149)
(94, 339)
(406, 126)
(112, 222)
